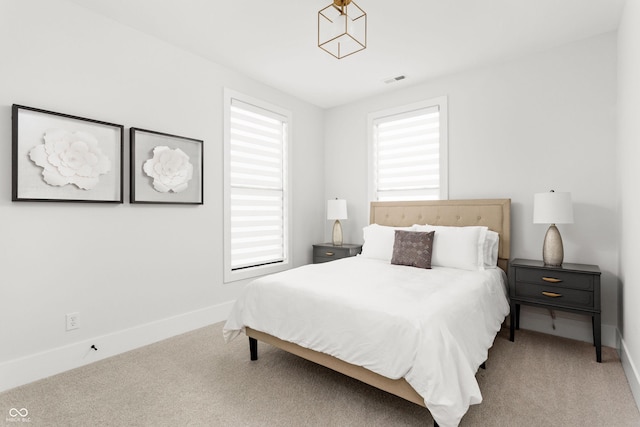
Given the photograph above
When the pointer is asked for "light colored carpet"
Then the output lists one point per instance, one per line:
(196, 379)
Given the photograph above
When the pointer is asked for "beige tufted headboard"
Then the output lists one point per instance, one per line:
(492, 213)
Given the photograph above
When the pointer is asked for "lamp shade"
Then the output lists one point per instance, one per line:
(552, 208)
(337, 209)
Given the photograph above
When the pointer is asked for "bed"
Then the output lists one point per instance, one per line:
(444, 373)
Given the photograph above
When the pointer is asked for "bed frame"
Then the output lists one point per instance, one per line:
(492, 213)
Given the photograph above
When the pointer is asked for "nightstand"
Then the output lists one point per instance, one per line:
(570, 287)
(324, 252)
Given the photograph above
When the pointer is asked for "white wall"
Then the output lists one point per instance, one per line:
(135, 273)
(539, 122)
(629, 173)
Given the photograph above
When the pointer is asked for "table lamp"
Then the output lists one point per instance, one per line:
(337, 209)
(552, 208)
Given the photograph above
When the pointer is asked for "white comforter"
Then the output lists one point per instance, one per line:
(432, 327)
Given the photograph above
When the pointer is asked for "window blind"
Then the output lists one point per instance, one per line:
(407, 155)
(257, 177)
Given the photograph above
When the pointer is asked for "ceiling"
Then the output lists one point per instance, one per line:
(276, 43)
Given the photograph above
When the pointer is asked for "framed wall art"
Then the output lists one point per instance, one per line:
(165, 168)
(62, 158)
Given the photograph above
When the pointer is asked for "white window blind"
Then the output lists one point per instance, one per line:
(407, 155)
(257, 190)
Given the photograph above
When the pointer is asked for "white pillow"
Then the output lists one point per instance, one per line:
(378, 241)
(457, 247)
(491, 245)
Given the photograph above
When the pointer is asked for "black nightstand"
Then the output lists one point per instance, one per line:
(570, 287)
(324, 252)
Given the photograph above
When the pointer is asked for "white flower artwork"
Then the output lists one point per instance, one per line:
(70, 158)
(170, 169)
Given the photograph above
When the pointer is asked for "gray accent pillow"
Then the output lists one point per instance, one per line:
(413, 248)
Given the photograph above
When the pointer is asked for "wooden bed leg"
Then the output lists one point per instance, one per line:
(253, 348)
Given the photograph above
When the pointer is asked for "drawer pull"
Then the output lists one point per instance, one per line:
(551, 294)
(551, 280)
(328, 253)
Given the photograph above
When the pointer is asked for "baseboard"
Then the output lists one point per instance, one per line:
(34, 367)
(630, 370)
(567, 325)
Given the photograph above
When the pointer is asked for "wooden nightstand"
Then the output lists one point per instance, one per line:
(570, 287)
(324, 252)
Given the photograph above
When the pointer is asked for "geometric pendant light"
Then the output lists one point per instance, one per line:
(342, 28)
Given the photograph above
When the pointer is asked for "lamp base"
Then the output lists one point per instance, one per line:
(337, 234)
(552, 250)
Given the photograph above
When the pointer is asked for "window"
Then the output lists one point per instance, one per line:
(256, 187)
(408, 152)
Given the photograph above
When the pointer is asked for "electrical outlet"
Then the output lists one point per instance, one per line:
(73, 321)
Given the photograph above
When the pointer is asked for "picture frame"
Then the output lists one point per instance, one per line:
(59, 157)
(165, 168)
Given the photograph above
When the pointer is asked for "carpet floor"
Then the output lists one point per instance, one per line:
(196, 379)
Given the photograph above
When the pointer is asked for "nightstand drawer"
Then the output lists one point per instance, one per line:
(328, 252)
(557, 279)
(553, 295)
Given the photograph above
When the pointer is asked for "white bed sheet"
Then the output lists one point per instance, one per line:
(432, 327)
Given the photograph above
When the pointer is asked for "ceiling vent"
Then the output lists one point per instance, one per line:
(394, 79)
